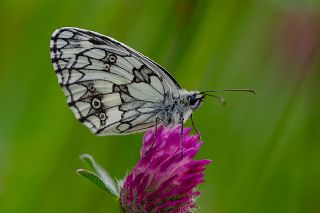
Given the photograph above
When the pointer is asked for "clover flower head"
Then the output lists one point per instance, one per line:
(162, 181)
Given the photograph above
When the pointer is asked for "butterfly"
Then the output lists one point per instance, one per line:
(113, 89)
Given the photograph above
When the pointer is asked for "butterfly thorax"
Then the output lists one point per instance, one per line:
(175, 108)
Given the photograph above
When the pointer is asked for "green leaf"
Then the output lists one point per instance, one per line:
(99, 173)
(93, 178)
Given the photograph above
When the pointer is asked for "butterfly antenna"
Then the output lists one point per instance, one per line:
(232, 90)
(221, 98)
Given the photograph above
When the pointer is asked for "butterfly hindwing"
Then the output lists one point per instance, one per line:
(111, 88)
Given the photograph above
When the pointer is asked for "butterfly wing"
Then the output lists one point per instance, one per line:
(111, 88)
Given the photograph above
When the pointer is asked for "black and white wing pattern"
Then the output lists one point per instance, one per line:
(111, 88)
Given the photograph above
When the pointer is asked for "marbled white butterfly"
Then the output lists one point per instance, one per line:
(113, 89)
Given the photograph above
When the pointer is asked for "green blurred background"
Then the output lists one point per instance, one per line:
(266, 148)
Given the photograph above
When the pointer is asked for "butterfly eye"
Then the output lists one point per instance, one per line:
(193, 102)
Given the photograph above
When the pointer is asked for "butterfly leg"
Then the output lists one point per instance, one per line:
(194, 126)
(155, 133)
(181, 132)
(154, 136)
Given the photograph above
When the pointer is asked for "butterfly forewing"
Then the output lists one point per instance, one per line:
(110, 87)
